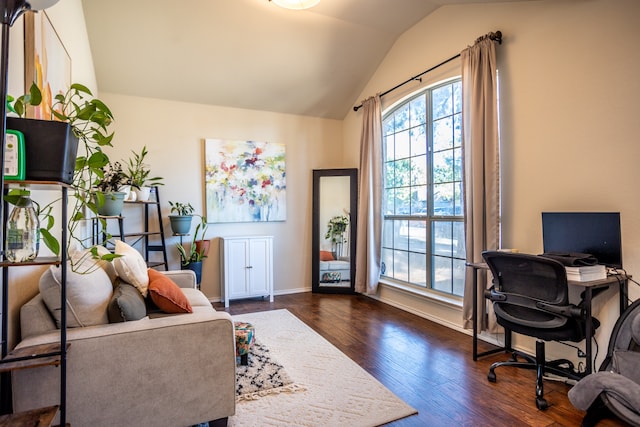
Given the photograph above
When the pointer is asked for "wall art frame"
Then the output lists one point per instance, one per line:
(245, 181)
(46, 62)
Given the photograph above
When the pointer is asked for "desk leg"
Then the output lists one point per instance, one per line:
(475, 314)
(589, 330)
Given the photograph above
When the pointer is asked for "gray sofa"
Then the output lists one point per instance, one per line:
(163, 370)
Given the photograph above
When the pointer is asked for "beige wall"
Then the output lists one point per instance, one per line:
(174, 134)
(569, 91)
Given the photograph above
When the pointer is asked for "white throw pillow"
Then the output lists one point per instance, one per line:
(88, 296)
(131, 267)
(83, 261)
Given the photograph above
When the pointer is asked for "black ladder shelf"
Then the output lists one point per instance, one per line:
(146, 235)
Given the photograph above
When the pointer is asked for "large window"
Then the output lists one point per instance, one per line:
(423, 238)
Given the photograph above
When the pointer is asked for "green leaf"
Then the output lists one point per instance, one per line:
(35, 94)
(51, 242)
(81, 88)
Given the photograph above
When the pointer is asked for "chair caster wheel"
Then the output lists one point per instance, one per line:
(541, 403)
(491, 376)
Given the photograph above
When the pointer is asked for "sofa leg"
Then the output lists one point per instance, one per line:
(220, 422)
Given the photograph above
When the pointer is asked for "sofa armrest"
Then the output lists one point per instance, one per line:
(183, 278)
(170, 371)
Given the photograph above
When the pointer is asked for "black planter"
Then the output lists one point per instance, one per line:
(50, 149)
(196, 267)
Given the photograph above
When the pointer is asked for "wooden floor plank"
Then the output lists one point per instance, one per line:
(426, 364)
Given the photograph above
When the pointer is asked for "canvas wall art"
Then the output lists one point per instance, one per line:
(47, 62)
(245, 181)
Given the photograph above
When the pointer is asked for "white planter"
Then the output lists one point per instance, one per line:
(142, 193)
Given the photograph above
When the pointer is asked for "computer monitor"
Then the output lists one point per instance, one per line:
(595, 233)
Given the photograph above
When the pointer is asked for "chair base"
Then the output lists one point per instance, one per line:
(562, 367)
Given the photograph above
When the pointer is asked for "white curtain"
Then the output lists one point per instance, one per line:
(481, 167)
(369, 226)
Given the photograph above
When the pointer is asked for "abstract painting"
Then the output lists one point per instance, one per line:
(47, 62)
(245, 181)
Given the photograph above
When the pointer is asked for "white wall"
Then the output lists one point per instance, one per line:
(174, 134)
(569, 92)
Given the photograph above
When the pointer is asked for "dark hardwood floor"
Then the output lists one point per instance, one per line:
(428, 365)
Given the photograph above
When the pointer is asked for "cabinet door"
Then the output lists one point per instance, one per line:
(259, 266)
(236, 263)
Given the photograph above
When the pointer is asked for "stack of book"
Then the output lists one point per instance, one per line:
(586, 273)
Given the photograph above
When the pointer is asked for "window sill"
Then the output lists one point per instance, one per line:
(437, 297)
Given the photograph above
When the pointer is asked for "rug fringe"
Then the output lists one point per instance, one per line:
(291, 388)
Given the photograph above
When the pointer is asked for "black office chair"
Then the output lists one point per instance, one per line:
(530, 297)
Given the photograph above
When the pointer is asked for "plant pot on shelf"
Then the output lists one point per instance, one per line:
(112, 203)
(180, 224)
(50, 149)
(202, 246)
(142, 193)
(196, 267)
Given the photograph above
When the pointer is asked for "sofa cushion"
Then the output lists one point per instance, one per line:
(326, 256)
(166, 294)
(87, 296)
(126, 303)
(131, 267)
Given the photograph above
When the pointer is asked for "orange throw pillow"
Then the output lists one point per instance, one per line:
(166, 294)
(326, 256)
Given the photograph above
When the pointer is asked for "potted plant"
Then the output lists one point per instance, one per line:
(202, 244)
(138, 175)
(85, 118)
(191, 258)
(109, 197)
(335, 232)
(181, 221)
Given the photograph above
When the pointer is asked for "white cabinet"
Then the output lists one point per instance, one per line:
(246, 267)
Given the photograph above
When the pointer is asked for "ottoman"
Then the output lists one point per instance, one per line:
(245, 334)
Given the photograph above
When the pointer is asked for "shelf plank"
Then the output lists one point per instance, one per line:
(36, 417)
(143, 233)
(32, 357)
(37, 261)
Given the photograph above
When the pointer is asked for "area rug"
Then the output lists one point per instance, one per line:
(262, 376)
(337, 392)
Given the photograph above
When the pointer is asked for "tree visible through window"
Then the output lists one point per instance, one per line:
(423, 237)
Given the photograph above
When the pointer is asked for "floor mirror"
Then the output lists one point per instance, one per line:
(335, 206)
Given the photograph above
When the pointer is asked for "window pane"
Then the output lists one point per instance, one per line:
(419, 140)
(458, 240)
(418, 111)
(457, 97)
(401, 265)
(419, 170)
(442, 279)
(387, 233)
(419, 200)
(389, 198)
(443, 196)
(389, 151)
(457, 130)
(402, 201)
(387, 263)
(458, 277)
(417, 236)
(401, 235)
(442, 134)
(389, 175)
(442, 102)
(457, 164)
(401, 118)
(418, 269)
(442, 242)
(443, 166)
(459, 203)
(403, 172)
(402, 145)
(387, 126)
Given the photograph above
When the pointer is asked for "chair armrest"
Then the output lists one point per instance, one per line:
(183, 278)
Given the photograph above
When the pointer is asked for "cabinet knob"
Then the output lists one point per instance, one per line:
(249, 266)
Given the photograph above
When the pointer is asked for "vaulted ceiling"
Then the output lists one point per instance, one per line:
(247, 53)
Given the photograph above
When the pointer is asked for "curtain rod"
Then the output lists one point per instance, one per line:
(497, 36)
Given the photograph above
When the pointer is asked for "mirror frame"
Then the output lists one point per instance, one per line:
(316, 286)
